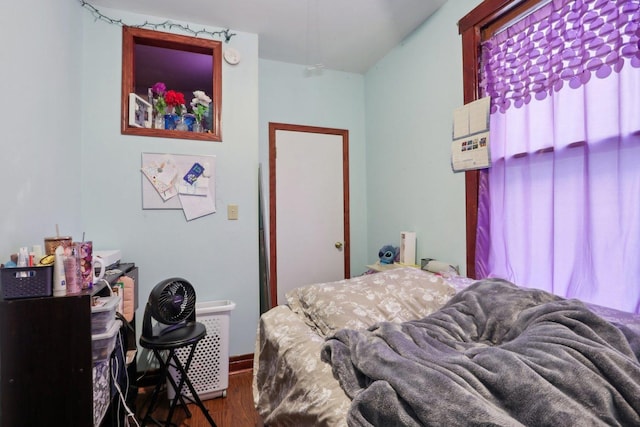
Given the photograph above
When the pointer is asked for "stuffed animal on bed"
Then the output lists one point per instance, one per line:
(388, 254)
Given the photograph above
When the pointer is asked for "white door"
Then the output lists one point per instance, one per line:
(309, 207)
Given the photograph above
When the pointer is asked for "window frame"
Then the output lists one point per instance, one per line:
(475, 27)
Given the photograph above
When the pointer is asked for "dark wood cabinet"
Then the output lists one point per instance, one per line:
(46, 360)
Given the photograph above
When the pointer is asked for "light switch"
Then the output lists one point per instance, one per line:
(232, 211)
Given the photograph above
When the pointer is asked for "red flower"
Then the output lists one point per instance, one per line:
(173, 98)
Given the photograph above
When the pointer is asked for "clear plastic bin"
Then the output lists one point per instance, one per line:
(103, 344)
(103, 314)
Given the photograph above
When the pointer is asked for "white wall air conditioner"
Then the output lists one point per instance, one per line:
(209, 370)
(408, 247)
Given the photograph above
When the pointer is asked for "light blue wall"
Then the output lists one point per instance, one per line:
(40, 166)
(333, 99)
(411, 95)
(65, 162)
(218, 256)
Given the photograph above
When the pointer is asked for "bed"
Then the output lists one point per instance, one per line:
(407, 347)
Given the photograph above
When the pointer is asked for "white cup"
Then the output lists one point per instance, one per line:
(97, 262)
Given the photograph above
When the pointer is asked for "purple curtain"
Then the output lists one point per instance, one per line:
(559, 208)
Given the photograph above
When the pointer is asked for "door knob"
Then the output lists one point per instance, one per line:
(338, 245)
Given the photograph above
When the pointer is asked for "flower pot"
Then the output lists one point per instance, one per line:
(189, 120)
(180, 124)
(158, 121)
(170, 121)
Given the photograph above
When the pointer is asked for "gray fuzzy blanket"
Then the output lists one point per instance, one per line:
(495, 355)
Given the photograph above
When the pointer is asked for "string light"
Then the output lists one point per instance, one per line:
(155, 26)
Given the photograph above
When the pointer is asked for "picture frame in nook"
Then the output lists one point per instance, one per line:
(140, 114)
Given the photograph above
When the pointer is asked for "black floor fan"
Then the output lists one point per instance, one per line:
(172, 304)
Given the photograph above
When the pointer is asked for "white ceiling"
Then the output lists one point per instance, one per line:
(345, 35)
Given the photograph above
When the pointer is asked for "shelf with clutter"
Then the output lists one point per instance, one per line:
(79, 335)
(394, 257)
(167, 110)
(390, 259)
(190, 65)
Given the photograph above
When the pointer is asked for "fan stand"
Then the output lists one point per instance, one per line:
(172, 303)
(172, 359)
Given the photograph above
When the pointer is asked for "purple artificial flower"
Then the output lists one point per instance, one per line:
(159, 89)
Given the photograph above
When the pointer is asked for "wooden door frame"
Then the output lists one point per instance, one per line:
(273, 256)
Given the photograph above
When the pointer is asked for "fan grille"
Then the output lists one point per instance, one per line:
(176, 301)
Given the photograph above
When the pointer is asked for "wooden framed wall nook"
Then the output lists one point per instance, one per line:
(181, 65)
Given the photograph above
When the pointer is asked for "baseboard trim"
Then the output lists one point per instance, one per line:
(240, 363)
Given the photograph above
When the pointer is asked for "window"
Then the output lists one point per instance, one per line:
(558, 209)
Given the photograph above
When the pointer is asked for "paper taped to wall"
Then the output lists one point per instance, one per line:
(190, 177)
(470, 146)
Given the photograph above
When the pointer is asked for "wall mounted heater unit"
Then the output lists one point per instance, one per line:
(209, 370)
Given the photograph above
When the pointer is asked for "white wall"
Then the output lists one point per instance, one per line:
(40, 166)
(218, 256)
(411, 95)
(333, 99)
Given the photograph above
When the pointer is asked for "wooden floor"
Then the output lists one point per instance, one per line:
(234, 410)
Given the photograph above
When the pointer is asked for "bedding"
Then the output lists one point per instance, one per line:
(343, 320)
(291, 385)
(394, 295)
(497, 355)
